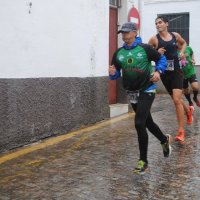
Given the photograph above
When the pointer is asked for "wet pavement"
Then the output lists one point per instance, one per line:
(97, 164)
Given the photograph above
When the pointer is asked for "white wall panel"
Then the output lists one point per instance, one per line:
(58, 38)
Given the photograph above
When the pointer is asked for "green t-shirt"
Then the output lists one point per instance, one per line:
(136, 66)
(189, 69)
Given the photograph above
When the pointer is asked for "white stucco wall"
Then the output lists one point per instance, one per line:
(58, 38)
(151, 8)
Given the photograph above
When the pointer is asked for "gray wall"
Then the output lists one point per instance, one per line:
(33, 109)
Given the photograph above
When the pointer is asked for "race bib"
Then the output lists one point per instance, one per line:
(133, 96)
(170, 65)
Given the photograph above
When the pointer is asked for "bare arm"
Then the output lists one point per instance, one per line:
(193, 60)
(182, 42)
(153, 42)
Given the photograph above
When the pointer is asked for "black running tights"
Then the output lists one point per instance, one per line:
(143, 120)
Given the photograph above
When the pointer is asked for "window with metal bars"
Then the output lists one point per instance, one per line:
(178, 22)
(115, 3)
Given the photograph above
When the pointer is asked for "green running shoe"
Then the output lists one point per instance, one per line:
(141, 168)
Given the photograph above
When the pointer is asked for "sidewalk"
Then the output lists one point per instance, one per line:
(96, 163)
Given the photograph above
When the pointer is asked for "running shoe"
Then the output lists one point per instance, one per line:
(141, 168)
(197, 102)
(189, 115)
(180, 136)
(167, 149)
(191, 109)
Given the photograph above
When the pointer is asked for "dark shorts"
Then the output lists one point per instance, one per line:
(190, 80)
(172, 80)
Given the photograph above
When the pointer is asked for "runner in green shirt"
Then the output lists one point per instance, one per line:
(133, 63)
(189, 76)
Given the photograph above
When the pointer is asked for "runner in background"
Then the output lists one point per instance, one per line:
(189, 76)
(165, 42)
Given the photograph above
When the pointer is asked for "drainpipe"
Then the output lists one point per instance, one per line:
(140, 12)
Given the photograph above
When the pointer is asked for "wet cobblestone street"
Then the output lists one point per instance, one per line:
(98, 164)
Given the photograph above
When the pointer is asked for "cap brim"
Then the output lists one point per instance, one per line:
(119, 31)
(125, 31)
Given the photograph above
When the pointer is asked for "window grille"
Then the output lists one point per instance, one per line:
(115, 3)
(179, 22)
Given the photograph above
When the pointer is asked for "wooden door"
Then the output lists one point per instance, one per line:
(112, 48)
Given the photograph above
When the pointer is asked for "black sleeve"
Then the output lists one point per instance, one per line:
(114, 60)
(152, 54)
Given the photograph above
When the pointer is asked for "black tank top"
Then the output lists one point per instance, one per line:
(171, 49)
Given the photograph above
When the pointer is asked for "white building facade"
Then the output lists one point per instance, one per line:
(183, 16)
(52, 38)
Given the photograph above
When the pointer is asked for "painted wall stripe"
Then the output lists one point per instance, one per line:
(56, 140)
